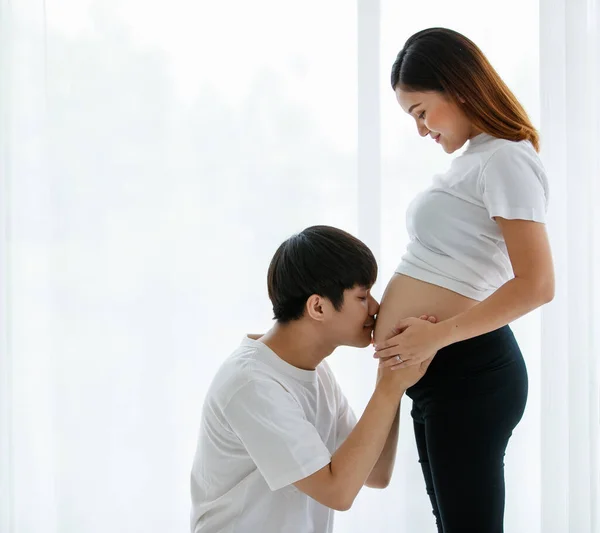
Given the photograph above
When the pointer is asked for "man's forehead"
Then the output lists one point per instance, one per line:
(358, 287)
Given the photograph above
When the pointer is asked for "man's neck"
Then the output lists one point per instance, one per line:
(298, 344)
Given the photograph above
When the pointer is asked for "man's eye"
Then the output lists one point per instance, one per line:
(362, 298)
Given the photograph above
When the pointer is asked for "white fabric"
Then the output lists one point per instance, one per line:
(265, 425)
(454, 241)
(570, 371)
(142, 198)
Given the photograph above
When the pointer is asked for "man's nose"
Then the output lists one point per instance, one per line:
(373, 306)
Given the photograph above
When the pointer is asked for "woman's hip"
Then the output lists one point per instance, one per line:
(486, 373)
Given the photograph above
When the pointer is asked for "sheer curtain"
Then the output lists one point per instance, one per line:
(156, 157)
(570, 113)
(152, 160)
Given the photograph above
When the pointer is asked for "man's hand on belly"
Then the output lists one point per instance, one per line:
(416, 344)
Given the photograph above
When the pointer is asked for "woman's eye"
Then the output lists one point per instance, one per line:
(422, 115)
(363, 298)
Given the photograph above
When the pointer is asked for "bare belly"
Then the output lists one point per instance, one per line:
(405, 297)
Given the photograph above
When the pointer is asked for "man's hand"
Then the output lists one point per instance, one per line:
(405, 377)
(408, 376)
(417, 342)
(429, 318)
(391, 361)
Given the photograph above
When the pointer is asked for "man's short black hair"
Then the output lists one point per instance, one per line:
(319, 260)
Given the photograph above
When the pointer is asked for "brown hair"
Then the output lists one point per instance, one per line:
(438, 59)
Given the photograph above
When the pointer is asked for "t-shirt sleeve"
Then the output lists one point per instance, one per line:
(271, 425)
(514, 185)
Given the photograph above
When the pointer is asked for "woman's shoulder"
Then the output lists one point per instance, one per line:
(505, 154)
(492, 146)
(513, 154)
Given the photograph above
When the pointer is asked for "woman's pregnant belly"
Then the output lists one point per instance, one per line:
(409, 297)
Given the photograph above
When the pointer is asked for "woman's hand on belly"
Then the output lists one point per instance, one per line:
(407, 297)
(418, 341)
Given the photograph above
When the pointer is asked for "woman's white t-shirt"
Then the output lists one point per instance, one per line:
(454, 241)
(265, 425)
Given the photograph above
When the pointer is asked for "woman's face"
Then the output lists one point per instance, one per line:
(439, 117)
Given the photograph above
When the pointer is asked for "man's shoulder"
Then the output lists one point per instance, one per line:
(326, 375)
(242, 368)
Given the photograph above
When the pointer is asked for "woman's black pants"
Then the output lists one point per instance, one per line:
(464, 411)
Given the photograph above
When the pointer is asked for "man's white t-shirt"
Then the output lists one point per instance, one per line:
(265, 425)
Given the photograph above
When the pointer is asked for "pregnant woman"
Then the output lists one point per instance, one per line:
(478, 258)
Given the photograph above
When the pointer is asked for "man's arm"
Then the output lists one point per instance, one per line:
(381, 475)
(337, 484)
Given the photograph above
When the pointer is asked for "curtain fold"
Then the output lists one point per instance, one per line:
(152, 159)
(570, 124)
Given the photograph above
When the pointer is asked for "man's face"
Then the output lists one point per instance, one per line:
(353, 324)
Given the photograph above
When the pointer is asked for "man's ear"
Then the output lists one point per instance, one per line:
(317, 307)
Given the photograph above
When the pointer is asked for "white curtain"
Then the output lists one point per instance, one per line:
(570, 372)
(154, 155)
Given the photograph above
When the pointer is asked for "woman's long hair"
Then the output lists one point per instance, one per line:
(438, 59)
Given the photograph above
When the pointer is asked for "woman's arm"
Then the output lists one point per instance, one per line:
(532, 286)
